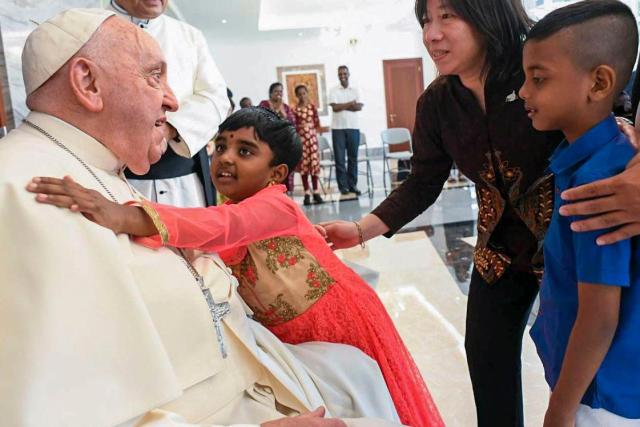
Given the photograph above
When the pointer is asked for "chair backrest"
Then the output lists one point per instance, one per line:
(363, 147)
(396, 139)
(324, 147)
(363, 138)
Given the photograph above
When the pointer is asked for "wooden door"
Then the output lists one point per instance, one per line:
(403, 84)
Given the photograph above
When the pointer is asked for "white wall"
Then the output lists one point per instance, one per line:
(249, 66)
(16, 18)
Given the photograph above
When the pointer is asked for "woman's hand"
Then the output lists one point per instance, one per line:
(340, 234)
(66, 193)
(346, 234)
(614, 201)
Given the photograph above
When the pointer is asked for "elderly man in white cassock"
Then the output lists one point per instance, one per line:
(181, 177)
(99, 331)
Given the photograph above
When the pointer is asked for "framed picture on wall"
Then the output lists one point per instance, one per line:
(312, 76)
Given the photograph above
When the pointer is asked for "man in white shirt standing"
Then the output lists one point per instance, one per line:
(345, 132)
(181, 177)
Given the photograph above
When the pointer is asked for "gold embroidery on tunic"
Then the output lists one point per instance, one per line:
(318, 281)
(157, 222)
(279, 311)
(534, 207)
(282, 252)
(279, 279)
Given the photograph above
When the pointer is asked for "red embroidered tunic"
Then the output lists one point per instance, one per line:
(297, 287)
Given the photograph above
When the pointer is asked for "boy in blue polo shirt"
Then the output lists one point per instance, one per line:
(576, 61)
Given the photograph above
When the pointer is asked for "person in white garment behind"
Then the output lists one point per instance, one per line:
(99, 331)
(181, 177)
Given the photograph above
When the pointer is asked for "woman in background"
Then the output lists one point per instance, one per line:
(308, 127)
(277, 105)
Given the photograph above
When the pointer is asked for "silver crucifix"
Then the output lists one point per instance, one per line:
(218, 312)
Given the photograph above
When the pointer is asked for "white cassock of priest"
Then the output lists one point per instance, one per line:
(181, 177)
(99, 331)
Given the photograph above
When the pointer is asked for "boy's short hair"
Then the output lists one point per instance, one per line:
(280, 135)
(603, 32)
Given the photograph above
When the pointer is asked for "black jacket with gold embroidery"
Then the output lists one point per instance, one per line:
(500, 152)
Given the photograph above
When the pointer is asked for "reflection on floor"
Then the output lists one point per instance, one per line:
(423, 281)
(428, 308)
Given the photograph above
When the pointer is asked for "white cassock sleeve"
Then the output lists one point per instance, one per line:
(200, 113)
(160, 418)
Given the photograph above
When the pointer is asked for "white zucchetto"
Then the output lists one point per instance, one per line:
(55, 41)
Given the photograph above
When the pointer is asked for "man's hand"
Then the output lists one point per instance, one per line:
(629, 131)
(312, 419)
(615, 202)
(355, 106)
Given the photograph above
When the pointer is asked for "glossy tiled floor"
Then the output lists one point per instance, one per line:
(422, 278)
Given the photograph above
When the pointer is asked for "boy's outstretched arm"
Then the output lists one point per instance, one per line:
(591, 337)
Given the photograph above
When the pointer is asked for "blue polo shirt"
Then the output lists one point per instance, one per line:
(575, 257)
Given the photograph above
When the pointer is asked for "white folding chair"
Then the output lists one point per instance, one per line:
(396, 145)
(326, 161)
(363, 157)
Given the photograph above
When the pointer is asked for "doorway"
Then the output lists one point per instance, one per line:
(403, 84)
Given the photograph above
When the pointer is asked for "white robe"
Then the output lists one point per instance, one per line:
(99, 331)
(203, 104)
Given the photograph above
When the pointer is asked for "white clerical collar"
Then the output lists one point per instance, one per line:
(81, 144)
(142, 23)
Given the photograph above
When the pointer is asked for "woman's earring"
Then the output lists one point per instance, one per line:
(272, 182)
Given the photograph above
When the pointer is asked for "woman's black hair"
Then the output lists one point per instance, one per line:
(299, 87)
(502, 26)
(280, 135)
(273, 86)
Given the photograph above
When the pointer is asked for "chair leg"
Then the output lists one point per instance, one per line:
(384, 174)
(321, 182)
(369, 179)
(330, 175)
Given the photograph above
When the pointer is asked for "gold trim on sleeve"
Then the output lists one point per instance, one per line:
(157, 221)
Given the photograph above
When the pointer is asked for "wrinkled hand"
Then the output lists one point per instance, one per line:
(340, 234)
(311, 419)
(614, 201)
(66, 193)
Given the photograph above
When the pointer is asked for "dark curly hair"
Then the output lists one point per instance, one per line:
(280, 135)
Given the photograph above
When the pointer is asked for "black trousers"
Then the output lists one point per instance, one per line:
(496, 317)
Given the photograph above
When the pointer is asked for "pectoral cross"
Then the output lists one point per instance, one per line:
(218, 312)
